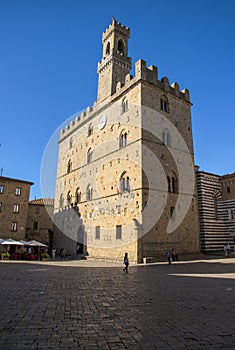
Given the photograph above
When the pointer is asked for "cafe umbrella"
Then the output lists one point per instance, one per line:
(37, 245)
(11, 241)
(12, 244)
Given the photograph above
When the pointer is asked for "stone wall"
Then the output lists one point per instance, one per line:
(39, 220)
(14, 208)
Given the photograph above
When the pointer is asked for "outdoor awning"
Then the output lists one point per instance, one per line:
(11, 241)
(24, 242)
(36, 243)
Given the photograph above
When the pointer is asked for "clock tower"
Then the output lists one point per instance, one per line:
(115, 63)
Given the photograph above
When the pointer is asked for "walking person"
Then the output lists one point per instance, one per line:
(169, 257)
(228, 249)
(61, 253)
(126, 262)
(174, 255)
(225, 249)
(53, 253)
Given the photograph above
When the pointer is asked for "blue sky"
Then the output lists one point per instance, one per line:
(48, 62)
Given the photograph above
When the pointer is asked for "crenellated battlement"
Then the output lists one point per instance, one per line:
(78, 120)
(115, 25)
(142, 72)
(115, 78)
(150, 75)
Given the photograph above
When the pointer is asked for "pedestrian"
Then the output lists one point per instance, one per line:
(169, 257)
(78, 248)
(61, 253)
(64, 253)
(126, 262)
(53, 253)
(225, 249)
(174, 255)
(228, 249)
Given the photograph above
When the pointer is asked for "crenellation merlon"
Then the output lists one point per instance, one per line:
(165, 83)
(152, 74)
(176, 87)
(89, 109)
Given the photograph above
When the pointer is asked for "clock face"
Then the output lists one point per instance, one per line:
(102, 121)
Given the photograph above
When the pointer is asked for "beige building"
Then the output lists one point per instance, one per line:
(14, 198)
(39, 220)
(126, 175)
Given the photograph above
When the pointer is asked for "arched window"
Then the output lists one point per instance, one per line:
(172, 183)
(90, 130)
(123, 139)
(69, 166)
(89, 193)
(124, 183)
(71, 143)
(124, 107)
(120, 46)
(89, 156)
(164, 104)
(78, 195)
(61, 201)
(107, 52)
(166, 137)
(69, 197)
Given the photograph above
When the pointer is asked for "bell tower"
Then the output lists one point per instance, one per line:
(115, 63)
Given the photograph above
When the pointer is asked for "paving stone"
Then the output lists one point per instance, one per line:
(87, 307)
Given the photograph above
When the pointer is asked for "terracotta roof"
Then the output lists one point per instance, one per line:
(42, 201)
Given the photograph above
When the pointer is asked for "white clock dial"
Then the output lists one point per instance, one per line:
(102, 121)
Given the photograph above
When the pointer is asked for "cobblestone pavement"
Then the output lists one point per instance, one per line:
(80, 306)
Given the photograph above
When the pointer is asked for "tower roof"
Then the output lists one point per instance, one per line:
(115, 25)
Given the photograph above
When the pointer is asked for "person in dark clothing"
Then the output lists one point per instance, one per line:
(126, 262)
(169, 257)
(174, 255)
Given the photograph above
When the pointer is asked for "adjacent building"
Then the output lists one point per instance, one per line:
(126, 176)
(21, 219)
(14, 198)
(216, 198)
(40, 219)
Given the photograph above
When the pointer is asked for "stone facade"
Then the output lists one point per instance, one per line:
(14, 198)
(39, 220)
(126, 175)
(216, 198)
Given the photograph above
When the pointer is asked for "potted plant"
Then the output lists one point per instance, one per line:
(5, 256)
(45, 256)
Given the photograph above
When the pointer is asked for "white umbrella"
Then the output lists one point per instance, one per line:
(24, 242)
(36, 243)
(10, 241)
